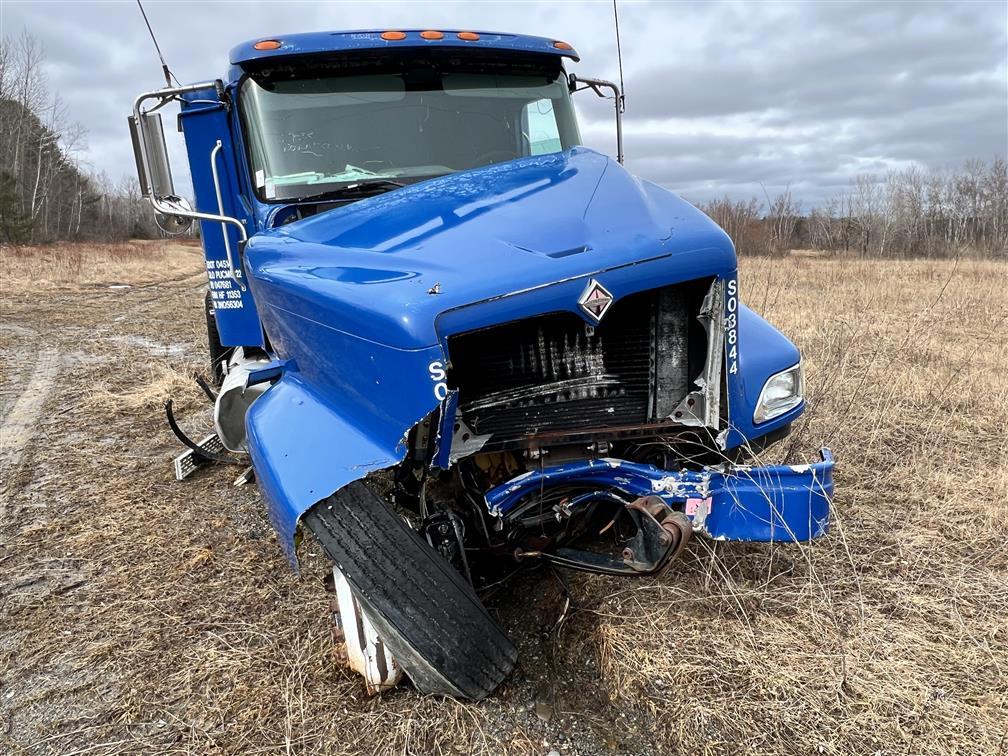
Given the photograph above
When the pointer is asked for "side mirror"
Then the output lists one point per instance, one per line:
(577, 84)
(158, 182)
(172, 213)
(179, 220)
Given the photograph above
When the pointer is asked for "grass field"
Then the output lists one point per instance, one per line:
(142, 614)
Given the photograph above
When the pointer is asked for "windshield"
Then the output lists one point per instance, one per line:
(312, 134)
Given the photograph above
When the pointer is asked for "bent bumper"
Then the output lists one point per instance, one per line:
(731, 503)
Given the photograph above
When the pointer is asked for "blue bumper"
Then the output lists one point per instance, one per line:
(731, 503)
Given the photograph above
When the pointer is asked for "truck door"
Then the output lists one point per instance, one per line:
(210, 147)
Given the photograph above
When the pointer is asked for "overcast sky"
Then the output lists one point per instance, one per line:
(720, 97)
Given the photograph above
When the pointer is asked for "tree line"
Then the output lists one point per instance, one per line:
(908, 213)
(47, 193)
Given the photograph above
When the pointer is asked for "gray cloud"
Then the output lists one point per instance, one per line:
(721, 98)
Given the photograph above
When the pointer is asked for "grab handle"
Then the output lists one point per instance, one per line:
(233, 272)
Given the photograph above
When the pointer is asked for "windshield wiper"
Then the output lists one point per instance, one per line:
(360, 189)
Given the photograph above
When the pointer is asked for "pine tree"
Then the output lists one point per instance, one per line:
(15, 228)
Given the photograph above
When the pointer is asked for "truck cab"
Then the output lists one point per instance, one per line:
(441, 327)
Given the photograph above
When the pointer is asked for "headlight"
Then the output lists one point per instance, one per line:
(781, 392)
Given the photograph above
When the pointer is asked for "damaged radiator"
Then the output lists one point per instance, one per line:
(556, 373)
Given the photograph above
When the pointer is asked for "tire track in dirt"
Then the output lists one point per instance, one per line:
(19, 424)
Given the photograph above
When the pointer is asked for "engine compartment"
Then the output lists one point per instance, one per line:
(553, 389)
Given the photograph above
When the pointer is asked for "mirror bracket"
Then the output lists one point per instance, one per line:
(577, 84)
(144, 141)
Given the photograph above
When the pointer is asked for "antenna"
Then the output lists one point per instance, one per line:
(168, 75)
(619, 54)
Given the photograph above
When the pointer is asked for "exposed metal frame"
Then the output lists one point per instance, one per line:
(702, 406)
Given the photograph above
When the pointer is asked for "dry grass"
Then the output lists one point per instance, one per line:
(891, 634)
(72, 265)
(138, 614)
(160, 381)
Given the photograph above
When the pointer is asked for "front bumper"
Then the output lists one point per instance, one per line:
(730, 503)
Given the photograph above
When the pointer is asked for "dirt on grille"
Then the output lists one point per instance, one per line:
(141, 614)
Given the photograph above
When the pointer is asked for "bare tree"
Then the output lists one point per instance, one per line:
(783, 217)
(907, 213)
(46, 191)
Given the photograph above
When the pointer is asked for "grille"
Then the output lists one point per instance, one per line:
(556, 373)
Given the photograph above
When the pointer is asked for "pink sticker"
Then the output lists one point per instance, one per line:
(698, 505)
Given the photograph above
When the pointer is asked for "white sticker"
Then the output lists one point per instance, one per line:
(223, 291)
(270, 189)
(260, 179)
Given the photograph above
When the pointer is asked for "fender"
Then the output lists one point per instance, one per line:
(304, 449)
(762, 351)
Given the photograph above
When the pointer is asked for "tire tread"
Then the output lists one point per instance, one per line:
(428, 614)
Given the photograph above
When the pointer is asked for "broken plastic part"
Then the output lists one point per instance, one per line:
(366, 653)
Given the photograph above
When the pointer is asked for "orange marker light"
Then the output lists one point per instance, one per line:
(562, 46)
(432, 35)
(468, 36)
(267, 44)
(393, 36)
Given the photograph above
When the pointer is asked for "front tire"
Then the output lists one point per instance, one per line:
(423, 609)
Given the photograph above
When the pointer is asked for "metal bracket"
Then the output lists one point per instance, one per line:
(158, 203)
(597, 85)
(208, 450)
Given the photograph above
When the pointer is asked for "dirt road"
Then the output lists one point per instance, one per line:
(142, 614)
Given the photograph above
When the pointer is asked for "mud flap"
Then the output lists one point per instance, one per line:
(423, 609)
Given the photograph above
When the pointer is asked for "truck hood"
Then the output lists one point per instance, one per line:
(385, 268)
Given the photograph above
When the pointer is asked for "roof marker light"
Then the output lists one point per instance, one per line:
(562, 46)
(393, 36)
(468, 36)
(267, 44)
(431, 34)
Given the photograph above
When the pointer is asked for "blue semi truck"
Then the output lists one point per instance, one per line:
(455, 344)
